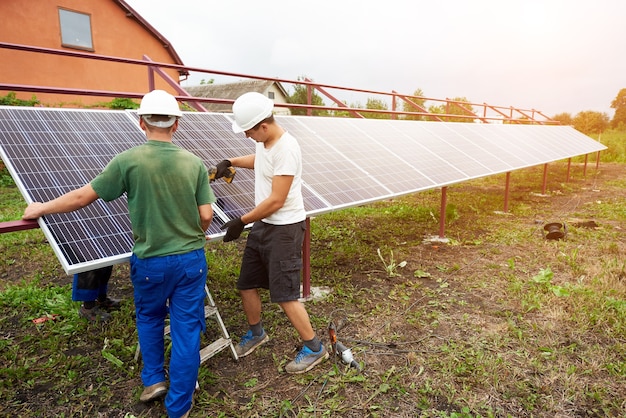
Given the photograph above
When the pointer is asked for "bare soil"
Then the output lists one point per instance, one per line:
(370, 330)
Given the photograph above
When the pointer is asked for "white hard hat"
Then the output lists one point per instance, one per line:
(250, 109)
(159, 102)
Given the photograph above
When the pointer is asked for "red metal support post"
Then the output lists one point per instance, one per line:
(506, 191)
(172, 83)
(151, 82)
(569, 164)
(309, 99)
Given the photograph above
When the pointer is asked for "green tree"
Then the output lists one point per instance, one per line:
(341, 113)
(299, 96)
(376, 104)
(619, 104)
(419, 104)
(458, 106)
(591, 122)
(564, 118)
(437, 109)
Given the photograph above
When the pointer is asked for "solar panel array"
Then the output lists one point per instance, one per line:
(346, 162)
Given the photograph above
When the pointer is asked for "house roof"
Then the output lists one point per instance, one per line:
(230, 91)
(130, 12)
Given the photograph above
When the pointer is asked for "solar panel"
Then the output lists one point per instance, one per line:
(50, 152)
(346, 162)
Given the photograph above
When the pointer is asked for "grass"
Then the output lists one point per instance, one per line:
(499, 322)
(614, 140)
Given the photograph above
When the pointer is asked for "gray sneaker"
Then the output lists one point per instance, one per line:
(250, 342)
(306, 360)
(152, 392)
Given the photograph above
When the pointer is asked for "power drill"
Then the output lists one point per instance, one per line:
(228, 178)
(341, 350)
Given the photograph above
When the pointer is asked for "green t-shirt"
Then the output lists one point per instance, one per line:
(164, 184)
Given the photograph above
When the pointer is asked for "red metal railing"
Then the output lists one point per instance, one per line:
(481, 112)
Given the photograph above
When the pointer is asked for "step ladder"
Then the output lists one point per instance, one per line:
(210, 310)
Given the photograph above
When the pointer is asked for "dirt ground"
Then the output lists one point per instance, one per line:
(228, 377)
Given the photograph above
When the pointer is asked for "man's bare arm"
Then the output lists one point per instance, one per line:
(245, 161)
(276, 200)
(70, 201)
(206, 216)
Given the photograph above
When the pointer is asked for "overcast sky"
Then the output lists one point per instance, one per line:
(551, 55)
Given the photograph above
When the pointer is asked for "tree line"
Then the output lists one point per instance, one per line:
(587, 122)
(591, 122)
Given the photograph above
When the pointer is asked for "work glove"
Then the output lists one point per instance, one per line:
(235, 228)
(222, 169)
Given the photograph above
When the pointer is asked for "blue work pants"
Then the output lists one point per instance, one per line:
(89, 285)
(173, 283)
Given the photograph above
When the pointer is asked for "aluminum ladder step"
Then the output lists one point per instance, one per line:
(210, 310)
(214, 348)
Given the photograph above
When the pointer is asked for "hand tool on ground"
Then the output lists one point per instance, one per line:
(341, 350)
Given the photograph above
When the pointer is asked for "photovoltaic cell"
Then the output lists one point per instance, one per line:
(346, 162)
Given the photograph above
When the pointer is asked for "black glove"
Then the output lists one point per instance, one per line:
(222, 169)
(235, 228)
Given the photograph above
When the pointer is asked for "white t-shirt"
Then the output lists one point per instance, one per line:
(282, 159)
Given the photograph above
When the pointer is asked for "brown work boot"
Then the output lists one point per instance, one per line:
(153, 392)
(95, 314)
